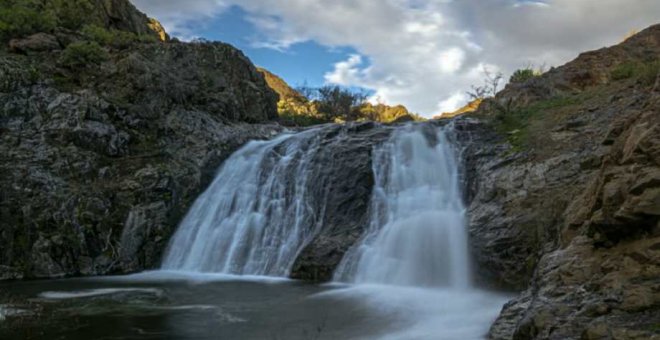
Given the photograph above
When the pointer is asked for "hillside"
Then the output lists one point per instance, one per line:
(281, 87)
(565, 198)
(297, 110)
(110, 131)
(107, 134)
(468, 108)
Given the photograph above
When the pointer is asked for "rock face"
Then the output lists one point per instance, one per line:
(99, 163)
(347, 167)
(39, 42)
(122, 15)
(571, 214)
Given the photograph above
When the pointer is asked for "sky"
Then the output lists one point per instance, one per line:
(424, 54)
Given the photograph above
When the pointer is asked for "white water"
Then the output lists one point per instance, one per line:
(97, 292)
(413, 262)
(417, 234)
(256, 216)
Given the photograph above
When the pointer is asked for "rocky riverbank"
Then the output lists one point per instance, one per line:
(104, 146)
(566, 204)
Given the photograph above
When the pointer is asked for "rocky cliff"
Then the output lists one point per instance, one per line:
(562, 178)
(109, 132)
(106, 138)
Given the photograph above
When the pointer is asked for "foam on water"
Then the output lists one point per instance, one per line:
(9, 311)
(424, 313)
(256, 216)
(51, 295)
(413, 262)
(417, 234)
(190, 276)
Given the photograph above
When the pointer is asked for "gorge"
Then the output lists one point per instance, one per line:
(154, 193)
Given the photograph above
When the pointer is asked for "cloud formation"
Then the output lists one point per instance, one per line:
(426, 53)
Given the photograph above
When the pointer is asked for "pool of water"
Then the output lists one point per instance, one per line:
(170, 305)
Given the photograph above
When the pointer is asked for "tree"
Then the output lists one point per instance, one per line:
(489, 88)
(337, 102)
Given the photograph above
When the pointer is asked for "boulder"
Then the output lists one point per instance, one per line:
(40, 42)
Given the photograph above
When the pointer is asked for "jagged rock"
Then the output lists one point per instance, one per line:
(580, 210)
(97, 169)
(142, 224)
(347, 164)
(122, 15)
(39, 42)
(155, 26)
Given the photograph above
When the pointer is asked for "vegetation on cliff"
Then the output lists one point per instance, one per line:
(573, 196)
(108, 130)
(309, 106)
(21, 18)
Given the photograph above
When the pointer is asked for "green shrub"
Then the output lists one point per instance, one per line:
(514, 122)
(71, 14)
(18, 19)
(24, 17)
(83, 54)
(114, 38)
(293, 119)
(624, 71)
(97, 34)
(644, 72)
(523, 75)
(650, 72)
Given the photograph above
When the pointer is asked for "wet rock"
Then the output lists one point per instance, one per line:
(346, 159)
(143, 226)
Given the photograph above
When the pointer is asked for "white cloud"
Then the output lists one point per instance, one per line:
(451, 60)
(453, 102)
(346, 72)
(424, 53)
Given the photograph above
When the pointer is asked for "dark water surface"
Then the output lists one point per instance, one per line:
(161, 305)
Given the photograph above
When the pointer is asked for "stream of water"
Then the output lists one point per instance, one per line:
(223, 274)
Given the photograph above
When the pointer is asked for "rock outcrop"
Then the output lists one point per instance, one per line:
(122, 15)
(99, 162)
(346, 164)
(565, 206)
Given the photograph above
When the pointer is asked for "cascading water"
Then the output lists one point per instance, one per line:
(412, 264)
(409, 271)
(417, 234)
(256, 216)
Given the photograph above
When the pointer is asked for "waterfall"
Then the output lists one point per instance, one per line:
(417, 234)
(267, 202)
(271, 199)
(256, 216)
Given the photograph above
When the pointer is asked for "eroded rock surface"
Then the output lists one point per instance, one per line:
(99, 163)
(570, 215)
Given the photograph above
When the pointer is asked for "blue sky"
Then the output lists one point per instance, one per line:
(305, 62)
(424, 54)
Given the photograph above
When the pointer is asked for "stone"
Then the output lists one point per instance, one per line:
(347, 193)
(141, 136)
(39, 42)
(582, 214)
